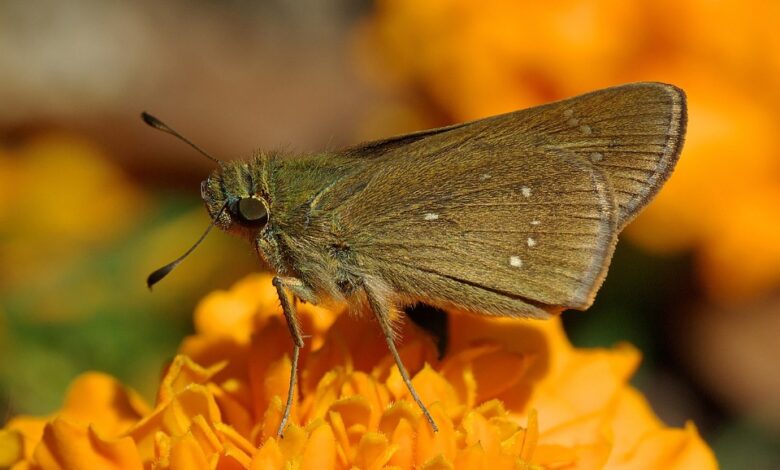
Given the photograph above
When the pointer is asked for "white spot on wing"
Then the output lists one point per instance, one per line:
(515, 261)
(535, 222)
(484, 177)
(431, 216)
(531, 242)
(526, 191)
(572, 121)
(596, 157)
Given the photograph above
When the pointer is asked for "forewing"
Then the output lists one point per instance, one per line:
(482, 227)
(633, 133)
(515, 212)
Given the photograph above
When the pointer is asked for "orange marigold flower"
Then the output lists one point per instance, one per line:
(510, 394)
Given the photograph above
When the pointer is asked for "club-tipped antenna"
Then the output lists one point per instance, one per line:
(159, 125)
(159, 274)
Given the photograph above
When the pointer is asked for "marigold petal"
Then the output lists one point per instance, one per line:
(231, 313)
(541, 339)
(321, 370)
(346, 335)
(415, 352)
(395, 413)
(175, 417)
(233, 439)
(233, 411)
(531, 437)
(458, 369)
(248, 305)
(31, 430)
(433, 388)
(277, 384)
(231, 461)
(518, 442)
(317, 321)
(68, 446)
(268, 427)
(102, 402)
(588, 382)
(192, 402)
(11, 447)
(579, 456)
(293, 442)
(122, 451)
(162, 449)
(432, 445)
(476, 457)
(404, 440)
(209, 351)
(328, 390)
(268, 457)
(439, 462)
(344, 447)
(472, 457)
(582, 428)
(496, 372)
(669, 449)
(583, 440)
(373, 451)
(355, 413)
(270, 364)
(187, 453)
(223, 314)
(493, 368)
(205, 436)
(479, 431)
(320, 450)
(181, 373)
(632, 419)
(376, 396)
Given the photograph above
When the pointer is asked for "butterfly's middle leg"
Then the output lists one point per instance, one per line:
(284, 287)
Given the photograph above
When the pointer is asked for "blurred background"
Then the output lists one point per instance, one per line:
(92, 200)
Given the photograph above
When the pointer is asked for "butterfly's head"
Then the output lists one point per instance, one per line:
(235, 199)
(234, 196)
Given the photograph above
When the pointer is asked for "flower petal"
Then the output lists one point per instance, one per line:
(435, 448)
(320, 450)
(373, 451)
(11, 447)
(671, 449)
(68, 446)
(187, 453)
(268, 457)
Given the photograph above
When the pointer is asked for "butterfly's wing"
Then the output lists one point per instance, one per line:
(634, 133)
(514, 214)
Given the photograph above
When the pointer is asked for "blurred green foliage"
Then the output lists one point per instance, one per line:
(120, 327)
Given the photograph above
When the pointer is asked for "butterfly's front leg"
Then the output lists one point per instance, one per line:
(284, 287)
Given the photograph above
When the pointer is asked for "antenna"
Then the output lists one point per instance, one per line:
(161, 126)
(159, 274)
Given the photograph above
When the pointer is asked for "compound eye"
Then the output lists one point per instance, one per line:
(252, 211)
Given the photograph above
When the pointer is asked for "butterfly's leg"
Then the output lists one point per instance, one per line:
(381, 311)
(283, 288)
